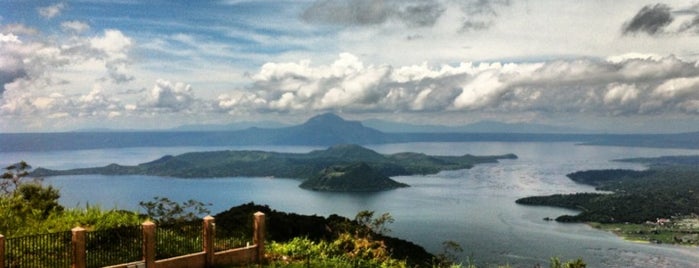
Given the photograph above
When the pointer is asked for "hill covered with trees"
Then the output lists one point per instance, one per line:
(635, 196)
(288, 165)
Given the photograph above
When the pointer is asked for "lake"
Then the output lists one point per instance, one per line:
(474, 207)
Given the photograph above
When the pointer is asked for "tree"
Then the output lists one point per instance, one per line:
(370, 224)
(13, 176)
(24, 198)
(164, 210)
(24, 203)
(34, 196)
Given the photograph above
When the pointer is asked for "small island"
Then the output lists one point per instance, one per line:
(657, 205)
(359, 177)
(345, 167)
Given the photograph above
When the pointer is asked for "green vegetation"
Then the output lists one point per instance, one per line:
(164, 210)
(27, 207)
(284, 165)
(361, 248)
(638, 202)
(358, 177)
(635, 198)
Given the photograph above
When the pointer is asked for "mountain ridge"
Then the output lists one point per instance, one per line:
(322, 130)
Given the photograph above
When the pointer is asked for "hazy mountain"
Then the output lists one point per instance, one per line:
(230, 127)
(329, 129)
(478, 127)
(326, 130)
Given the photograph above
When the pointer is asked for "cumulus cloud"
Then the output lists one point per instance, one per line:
(169, 96)
(114, 47)
(51, 11)
(38, 75)
(620, 85)
(651, 19)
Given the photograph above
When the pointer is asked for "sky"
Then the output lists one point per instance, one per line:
(610, 66)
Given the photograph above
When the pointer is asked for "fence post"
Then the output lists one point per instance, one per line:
(209, 234)
(149, 244)
(259, 235)
(2, 251)
(79, 259)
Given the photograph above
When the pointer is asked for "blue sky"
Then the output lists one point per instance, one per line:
(614, 66)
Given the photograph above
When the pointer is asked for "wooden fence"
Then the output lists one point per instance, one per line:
(208, 257)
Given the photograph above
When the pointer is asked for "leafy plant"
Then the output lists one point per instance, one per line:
(164, 210)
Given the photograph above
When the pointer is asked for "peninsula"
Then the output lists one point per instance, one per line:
(341, 159)
(657, 204)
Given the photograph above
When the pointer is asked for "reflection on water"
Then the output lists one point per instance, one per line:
(472, 207)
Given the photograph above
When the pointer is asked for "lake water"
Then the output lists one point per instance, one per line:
(474, 207)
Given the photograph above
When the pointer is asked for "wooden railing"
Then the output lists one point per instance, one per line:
(208, 257)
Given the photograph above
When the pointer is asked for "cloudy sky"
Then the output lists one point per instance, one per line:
(130, 64)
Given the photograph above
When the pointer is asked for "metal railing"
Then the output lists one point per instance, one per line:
(178, 239)
(43, 250)
(114, 246)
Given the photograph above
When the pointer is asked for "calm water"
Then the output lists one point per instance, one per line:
(472, 207)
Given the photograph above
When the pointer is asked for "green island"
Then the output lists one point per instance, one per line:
(657, 205)
(338, 168)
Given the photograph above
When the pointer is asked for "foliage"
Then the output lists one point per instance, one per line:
(358, 177)
(577, 263)
(13, 177)
(368, 224)
(637, 196)
(346, 251)
(164, 210)
(360, 248)
(28, 207)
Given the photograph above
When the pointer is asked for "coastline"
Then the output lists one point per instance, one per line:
(649, 234)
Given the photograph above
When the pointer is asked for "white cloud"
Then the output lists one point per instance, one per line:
(75, 26)
(620, 86)
(51, 11)
(114, 44)
(9, 38)
(169, 96)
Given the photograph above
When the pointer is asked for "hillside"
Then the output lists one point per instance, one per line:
(285, 165)
(284, 226)
(358, 177)
(669, 188)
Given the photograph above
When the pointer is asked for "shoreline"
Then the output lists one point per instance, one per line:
(645, 234)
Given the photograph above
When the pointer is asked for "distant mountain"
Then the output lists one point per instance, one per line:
(329, 129)
(357, 177)
(230, 127)
(478, 127)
